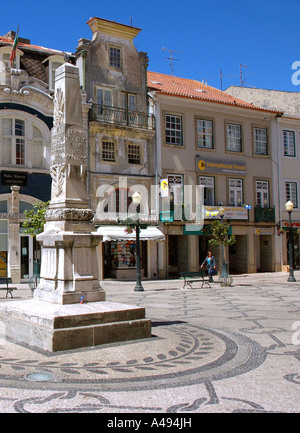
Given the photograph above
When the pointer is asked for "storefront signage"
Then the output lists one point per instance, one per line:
(234, 213)
(264, 231)
(13, 178)
(204, 165)
(286, 225)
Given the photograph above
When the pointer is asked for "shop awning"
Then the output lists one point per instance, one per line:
(117, 233)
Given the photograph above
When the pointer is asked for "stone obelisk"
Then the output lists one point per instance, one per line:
(69, 309)
(69, 268)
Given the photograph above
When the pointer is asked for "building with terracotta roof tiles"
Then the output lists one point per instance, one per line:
(288, 155)
(226, 145)
(26, 118)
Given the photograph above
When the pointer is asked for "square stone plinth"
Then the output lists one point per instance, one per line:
(56, 327)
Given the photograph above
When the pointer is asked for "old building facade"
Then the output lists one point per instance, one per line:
(121, 139)
(206, 137)
(143, 128)
(286, 170)
(26, 118)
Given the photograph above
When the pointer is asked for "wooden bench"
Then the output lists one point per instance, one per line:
(193, 277)
(7, 281)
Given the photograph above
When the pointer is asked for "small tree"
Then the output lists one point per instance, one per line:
(219, 232)
(35, 222)
(36, 219)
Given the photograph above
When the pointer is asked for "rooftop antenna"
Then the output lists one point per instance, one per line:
(171, 58)
(241, 74)
(130, 21)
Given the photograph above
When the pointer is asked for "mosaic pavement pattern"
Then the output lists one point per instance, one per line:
(224, 349)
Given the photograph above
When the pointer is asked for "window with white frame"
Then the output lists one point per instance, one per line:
(13, 141)
(260, 141)
(262, 193)
(173, 128)
(175, 182)
(208, 184)
(289, 148)
(22, 142)
(235, 192)
(291, 193)
(205, 134)
(234, 137)
(108, 151)
(37, 148)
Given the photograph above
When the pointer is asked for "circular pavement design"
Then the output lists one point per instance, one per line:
(177, 354)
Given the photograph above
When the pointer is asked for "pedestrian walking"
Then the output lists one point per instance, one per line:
(210, 262)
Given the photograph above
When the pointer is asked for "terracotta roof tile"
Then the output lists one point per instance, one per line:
(187, 88)
(5, 40)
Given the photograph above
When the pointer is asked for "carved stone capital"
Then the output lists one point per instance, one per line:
(69, 214)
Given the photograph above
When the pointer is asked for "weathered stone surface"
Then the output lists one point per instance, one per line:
(55, 327)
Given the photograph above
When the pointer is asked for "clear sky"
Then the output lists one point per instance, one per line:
(205, 36)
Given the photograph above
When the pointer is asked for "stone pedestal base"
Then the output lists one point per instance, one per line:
(55, 327)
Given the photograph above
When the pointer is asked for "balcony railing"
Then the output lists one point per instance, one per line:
(121, 116)
(264, 214)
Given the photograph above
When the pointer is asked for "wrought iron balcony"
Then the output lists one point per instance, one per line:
(264, 214)
(121, 116)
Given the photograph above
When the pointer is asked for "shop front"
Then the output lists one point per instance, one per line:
(119, 252)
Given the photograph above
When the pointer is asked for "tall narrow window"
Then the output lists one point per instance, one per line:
(13, 141)
(7, 127)
(173, 126)
(38, 148)
(235, 192)
(289, 143)
(115, 57)
(208, 184)
(260, 141)
(108, 151)
(205, 134)
(291, 193)
(175, 182)
(234, 138)
(262, 193)
(20, 141)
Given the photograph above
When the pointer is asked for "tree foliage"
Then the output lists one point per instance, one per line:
(219, 232)
(35, 218)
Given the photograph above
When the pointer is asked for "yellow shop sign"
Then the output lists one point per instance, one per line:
(219, 166)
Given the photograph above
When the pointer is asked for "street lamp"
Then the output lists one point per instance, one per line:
(136, 198)
(289, 207)
(224, 273)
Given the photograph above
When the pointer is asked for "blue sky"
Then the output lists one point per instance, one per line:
(206, 36)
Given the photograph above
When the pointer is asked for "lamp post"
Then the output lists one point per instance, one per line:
(289, 207)
(224, 265)
(136, 198)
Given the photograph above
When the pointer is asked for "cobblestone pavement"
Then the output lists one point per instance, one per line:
(212, 350)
